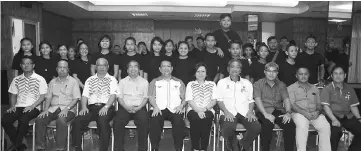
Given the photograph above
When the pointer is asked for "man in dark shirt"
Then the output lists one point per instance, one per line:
(236, 53)
(283, 43)
(193, 51)
(275, 55)
(288, 67)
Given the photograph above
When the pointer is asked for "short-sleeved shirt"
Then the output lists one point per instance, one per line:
(339, 100)
(184, 69)
(17, 61)
(271, 96)
(280, 58)
(152, 65)
(257, 70)
(99, 90)
(124, 61)
(222, 41)
(215, 64)
(133, 91)
(46, 68)
(28, 89)
(306, 99)
(236, 96)
(62, 93)
(312, 63)
(201, 94)
(111, 58)
(287, 73)
(168, 94)
(82, 70)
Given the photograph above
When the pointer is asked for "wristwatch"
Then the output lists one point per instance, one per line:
(290, 112)
(106, 106)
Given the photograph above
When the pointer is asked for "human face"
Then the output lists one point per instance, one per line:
(210, 41)
(236, 50)
(83, 49)
(62, 69)
(201, 73)
(248, 51)
(284, 43)
(166, 68)
(45, 49)
(234, 69)
(302, 75)
(292, 52)
(27, 65)
(311, 43)
(169, 47)
(102, 66)
(63, 52)
(157, 46)
(271, 73)
(263, 52)
(190, 42)
(200, 43)
(130, 45)
(117, 50)
(338, 75)
(273, 44)
(142, 49)
(226, 22)
(26, 46)
(183, 49)
(105, 43)
(133, 69)
(71, 53)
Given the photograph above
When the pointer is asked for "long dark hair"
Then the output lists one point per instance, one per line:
(162, 51)
(77, 54)
(50, 46)
(125, 43)
(105, 37)
(21, 51)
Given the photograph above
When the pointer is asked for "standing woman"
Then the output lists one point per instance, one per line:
(154, 59)
(142, 48)
(26, 49)
(257, 67)
(169, 50)
(45, 65)
(201, 97)
(249, 53)
(183, 65)
(71, 53)
(82, 65)
(131, 54)
(105, 44)
(63, 52)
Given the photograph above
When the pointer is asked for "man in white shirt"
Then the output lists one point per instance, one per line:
(27, 93)
(132, 98)
(166, 95)
(63, 94)
(99, 93)
(236, 103)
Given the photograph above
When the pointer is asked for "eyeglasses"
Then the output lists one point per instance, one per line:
(27, 63)
(271, 71)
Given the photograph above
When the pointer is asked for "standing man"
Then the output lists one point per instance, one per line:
(275, 55)
(270, 95)
(61, 98)
(27, 93)
(236, 102)
(133, 96)
(99, 93)
(166, 95)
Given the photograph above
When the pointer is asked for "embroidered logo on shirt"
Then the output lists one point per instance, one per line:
(228, 87)
(243, 89)
(347, 96)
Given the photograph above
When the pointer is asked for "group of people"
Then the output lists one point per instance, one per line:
(197, 84)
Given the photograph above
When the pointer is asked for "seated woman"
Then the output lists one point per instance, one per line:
(306, 106)
(201, 97)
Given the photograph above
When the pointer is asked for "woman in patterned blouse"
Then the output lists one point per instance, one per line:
(201, 97)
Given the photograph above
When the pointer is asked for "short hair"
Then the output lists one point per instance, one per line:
(188, 37)
(209, 34)
(66, 46)
(262, 45)
(224, 15)
(271, 38)
(311, 36)
(236, 42)
(247, 45)
(105, 37)
(182, 42)
(270, 65)
(338, 67)
(234, 60)
(64, 61)
(303, 67)
(200, 64)
(290, 45)
(200, 37)
(27, 57)
(131, 62)
(166, 61)
(46, 43)
(284, 37)
(130, 38)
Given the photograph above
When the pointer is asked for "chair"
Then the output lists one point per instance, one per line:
(240, 128)
(187, 125)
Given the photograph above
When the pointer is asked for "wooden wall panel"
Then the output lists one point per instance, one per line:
(338, 34)
(57, 29)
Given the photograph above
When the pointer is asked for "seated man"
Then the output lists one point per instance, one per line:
(99, 94)
(27, 92)
(270, 96)
(63, 94)
(236, 102)
(166, 95)
(133, 96)
(306, 104)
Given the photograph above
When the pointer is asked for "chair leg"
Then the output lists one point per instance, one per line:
(258, 143)
(149, 144)
(317, 139)
(34, 136)
(222, 139)
(254, 145)
(2, 139)
(68, 139)
(82, 142)
(214, 137)
(112, 147)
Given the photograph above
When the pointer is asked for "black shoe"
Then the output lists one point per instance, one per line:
(154, 149)
(21, 147)
(11, 148)
(78, 148)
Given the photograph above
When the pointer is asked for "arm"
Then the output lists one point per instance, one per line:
(287, 104)
(116, 69)
(151, 94)
(329, 113)
(259, 104)
(39, 101)
(222, 107)
(16, 72)
(75, 76)
(322, 71)
(92, 69)
(355, 111)
(211, 104)
(13, 98)
(84, 102)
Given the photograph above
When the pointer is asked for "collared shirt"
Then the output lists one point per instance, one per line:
(133, 91)
(236, 96)
(306, 99)
(271, 96)
(28, 90)
(339, 100)
(62, 93)
(201, 94)
(167, 93)
(99, 90)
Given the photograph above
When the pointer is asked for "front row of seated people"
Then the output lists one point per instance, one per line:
(293, 109)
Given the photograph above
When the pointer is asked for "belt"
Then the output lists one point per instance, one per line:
(97, 104)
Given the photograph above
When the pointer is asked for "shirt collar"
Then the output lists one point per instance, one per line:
(240, 80)
(264, 81)
(31, 76)
(106, 75)
(335, 86)
(66, 79)
(130, 79)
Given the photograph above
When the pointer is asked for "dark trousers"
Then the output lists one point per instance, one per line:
(156, 127)
(61, 129)
(81, 122)
(228, 130)
(289, 131)
(353, 126)
(200, 129)
(121, 119)
(16, 135)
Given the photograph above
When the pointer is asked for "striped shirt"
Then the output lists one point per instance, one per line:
(99, 90)
(28, 90)
(200, 94)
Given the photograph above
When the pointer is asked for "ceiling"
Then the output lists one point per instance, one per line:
(267, 12)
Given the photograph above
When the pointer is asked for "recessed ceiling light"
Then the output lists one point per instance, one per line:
(139, 14)
(337, 20)
(201, 15)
